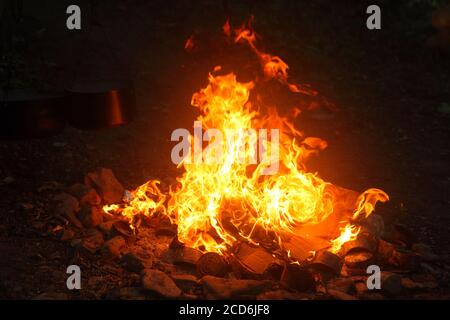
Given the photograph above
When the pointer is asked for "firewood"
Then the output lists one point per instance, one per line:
(186, 255)
(327, 261)
(252, 262)
(299, 248)
(297, 278)
(212, 264)
(359, 259)
(363, 242)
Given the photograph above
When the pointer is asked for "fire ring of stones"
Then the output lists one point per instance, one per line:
(159, 266)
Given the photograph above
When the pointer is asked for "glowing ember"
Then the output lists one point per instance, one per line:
(218, 203)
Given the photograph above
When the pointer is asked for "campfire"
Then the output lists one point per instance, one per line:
(219, 204)
(245, 217)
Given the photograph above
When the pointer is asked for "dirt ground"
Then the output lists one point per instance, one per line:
(391, 130)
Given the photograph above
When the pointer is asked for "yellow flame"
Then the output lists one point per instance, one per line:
(348, 233)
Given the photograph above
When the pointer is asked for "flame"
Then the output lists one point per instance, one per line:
(348, 233)
(218, 203)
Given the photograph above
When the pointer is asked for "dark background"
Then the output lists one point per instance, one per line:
(391, 87)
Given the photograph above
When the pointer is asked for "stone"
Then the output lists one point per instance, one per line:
(8, 180)
(359, 260)
(410, 284)
(123, 228)
(160, 283)
(115, 246)
(405, 260)
(352, 272)
(400, 234)
(90, 217)
(339, 295)
(91, 198)
(385, 250)
(284, 295)
(425, 252)
(65, 204)
(185, 282)
(422, 277)
(391, 283)
(126, 293)
(106, 227)
(106, 184)
(93, 241)
(371, 296)
(361, 288)
(342, 284)
(78, 190)
(67, 234)
(212, 264)
(220, 288)
(72, 218)
(432, 270)
(85, 194)
(52, 296)
(134, 263)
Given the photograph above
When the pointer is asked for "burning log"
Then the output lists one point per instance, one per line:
(327, 261)
(253, 262)
(359, 260)
(299, 248)
(363, 242)
(297, 278)
(186, 255)
(212, 264)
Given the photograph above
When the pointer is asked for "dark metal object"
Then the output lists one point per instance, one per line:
(100, 106)
(30, 114)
